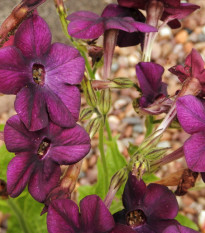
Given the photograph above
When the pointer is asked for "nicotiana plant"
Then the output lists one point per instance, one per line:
(45, 144)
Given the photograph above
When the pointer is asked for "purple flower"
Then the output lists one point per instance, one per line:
(172, 12)
(88, 25)
(39, 154)
(42, 75)
(149, 75)
(149, 209)
(191, 115)
(63, 216)
(194, 67)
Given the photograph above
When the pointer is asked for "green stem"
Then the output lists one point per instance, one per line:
(109, 133)
(102, 153)
(19, 215)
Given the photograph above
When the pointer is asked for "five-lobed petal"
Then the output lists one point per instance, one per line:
(150, 209)
(39, 155)
(42, 76)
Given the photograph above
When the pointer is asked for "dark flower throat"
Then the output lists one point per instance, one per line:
(43, 148)
(38, 72)
(135, 218)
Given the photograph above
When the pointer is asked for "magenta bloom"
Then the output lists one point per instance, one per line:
(63, 216)
(173, 9)
(42, 75)
(88, 25)
(39, 155)
(149, 209)
(191, 115)
(149, 75)
(194, 67)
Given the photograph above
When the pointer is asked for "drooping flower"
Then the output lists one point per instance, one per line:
(88, 25)
(119, 25)
(42, 75)
(193, 68)
(154, 92)
(172, 10)
(150, 209)
(39, 155)
(191, 115)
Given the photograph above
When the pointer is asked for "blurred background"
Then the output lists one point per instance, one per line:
(171, 48)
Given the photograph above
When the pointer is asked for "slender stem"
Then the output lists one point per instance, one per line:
(102, 153)
(109, 133)
(19, 215)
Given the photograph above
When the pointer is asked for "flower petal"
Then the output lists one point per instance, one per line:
(57, 110)
(194, 150)
(119, 228)
(31, 108)
(95, 215)
(191, 114)
(63, 217)
(33, 37)
(45, 177)
(18, 138)
(19, 172)
(63, 64)
(177, 228)
(70, 96)
(14, 71)
(70, 146)
(150, 79)
(85, 25)
(195, 62)
(159, 202)
(133, 192)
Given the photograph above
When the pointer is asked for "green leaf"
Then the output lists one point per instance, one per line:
(184, 221)
(5, 158)
(150, 177)
(149, 123)
(2, 127)
(24, 214)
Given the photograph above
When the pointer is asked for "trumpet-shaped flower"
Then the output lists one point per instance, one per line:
(173, 10)
(150, 209)
(39, 155)
(193, 67)
(191, 115)
(149, 75)
(42, 75)
(88, 25)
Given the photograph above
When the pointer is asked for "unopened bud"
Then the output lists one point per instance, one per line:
(86, 114)
(94, 125)
(118, 179)
(121, 83)
(32, 4)
(90, 95)
(139, 169)
(105, 101)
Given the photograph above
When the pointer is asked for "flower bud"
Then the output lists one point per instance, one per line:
(90, 95)
(105, 101)
(121, 83)
(94, 125)
(86, 114)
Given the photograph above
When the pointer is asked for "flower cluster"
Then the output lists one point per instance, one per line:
(44, 133)
(147, 209)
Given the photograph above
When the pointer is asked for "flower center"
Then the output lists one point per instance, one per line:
(43, 148)
(135, 218)
(38, 72)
